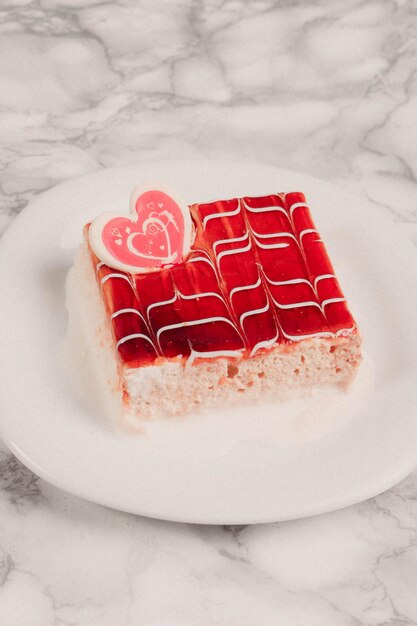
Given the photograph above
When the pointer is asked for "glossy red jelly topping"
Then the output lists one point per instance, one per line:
(258, 274)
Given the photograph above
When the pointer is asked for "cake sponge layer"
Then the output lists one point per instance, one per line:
(175, 389)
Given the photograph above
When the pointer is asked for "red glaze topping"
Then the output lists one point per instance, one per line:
(258, 274)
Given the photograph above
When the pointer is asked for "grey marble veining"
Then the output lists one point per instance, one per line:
(328, 88)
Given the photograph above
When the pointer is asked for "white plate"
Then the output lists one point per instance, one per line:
(260, 464)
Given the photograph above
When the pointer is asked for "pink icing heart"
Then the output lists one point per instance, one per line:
(157, 234)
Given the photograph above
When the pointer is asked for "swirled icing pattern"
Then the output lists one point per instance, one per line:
(258, 274)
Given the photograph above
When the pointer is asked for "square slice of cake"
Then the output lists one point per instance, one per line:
(254, 309)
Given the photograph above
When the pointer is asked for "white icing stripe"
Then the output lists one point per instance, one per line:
(235, 240)
(235, 251)
(135, 336)
(271, 246)
(212, 355)
(307, 231)
(296, 281)
(296, 305)
(264, 344)
(244, 288)
(282, 234)
(319, 334)
(203, 259)
(345, 330)
(253, 312)
(323, 277)
(292, 281)
(331, 301)
(310, 336)
(161, 303)
(265, 209)
(121, 311)
(99, 265)
(297, 205)
(106, 278)
(196, 296)
(178, 293)
(205, 320)
(213, 216)
(202, 251)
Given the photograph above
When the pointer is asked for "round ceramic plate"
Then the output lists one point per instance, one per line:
(255, 464)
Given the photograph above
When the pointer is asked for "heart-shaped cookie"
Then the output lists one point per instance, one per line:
(156, 233)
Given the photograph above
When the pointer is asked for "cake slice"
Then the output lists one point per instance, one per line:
(254, 309)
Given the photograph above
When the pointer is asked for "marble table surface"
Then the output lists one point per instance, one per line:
(328, 88)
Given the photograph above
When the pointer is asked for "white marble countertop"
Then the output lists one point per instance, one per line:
(328, 88)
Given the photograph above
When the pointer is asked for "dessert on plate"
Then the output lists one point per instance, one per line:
(185, 307)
